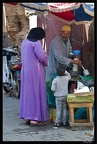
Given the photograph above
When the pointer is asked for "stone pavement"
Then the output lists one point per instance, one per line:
(15, 129)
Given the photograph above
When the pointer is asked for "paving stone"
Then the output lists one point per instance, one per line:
(15, 129)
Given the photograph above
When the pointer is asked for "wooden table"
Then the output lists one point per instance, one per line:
(80, 103)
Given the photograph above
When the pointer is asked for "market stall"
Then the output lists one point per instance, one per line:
(51, 16)
(54, 20)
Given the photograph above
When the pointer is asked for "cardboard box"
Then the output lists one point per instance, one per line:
(84, 94)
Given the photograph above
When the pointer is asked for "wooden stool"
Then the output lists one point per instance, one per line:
(80, 122)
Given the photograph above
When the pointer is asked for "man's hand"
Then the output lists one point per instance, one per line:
(78, 62)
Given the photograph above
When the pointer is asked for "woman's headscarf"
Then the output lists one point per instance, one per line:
(35, 34)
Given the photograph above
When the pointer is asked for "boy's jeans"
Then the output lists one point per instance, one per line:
(61, 109)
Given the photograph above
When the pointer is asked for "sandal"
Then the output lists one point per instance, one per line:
(63, 124)
(42, 123)
(56, 125)
(28, 122)
(38, 124)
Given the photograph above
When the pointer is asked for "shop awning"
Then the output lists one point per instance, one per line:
(78, 13)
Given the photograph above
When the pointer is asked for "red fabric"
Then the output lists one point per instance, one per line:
(12, 3)
(69, 16)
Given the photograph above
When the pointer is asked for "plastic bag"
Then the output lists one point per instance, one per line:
(80, 85)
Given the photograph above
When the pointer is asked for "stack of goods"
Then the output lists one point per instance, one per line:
(52, 115)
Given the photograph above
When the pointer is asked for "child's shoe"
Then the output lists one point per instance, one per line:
(63, 124)
(56, 125)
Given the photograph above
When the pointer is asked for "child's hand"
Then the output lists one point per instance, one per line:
(66, 72)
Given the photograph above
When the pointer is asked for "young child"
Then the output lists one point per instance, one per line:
(60, 88)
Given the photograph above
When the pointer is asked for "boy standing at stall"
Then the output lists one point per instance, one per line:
(60, 88)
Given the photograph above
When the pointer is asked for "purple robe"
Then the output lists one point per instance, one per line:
(33, 101)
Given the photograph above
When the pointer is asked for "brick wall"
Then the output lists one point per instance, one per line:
(17, 23)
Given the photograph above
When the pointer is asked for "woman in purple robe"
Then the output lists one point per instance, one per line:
(33, 101)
